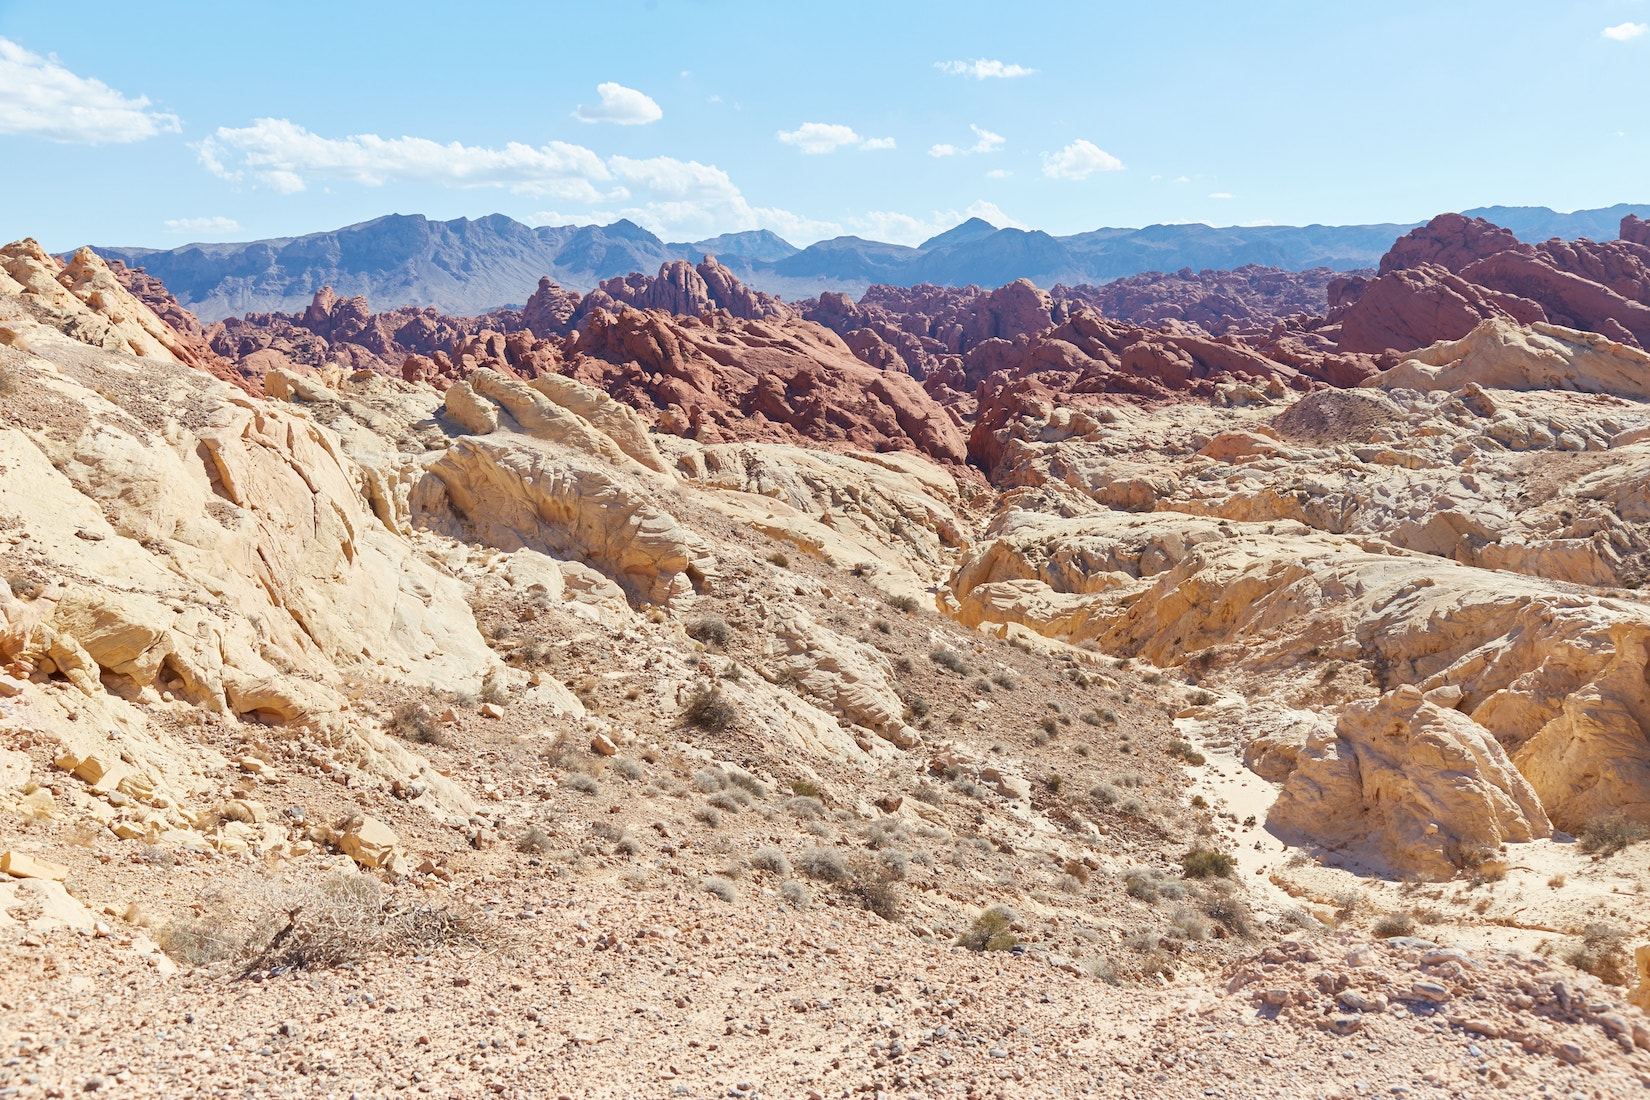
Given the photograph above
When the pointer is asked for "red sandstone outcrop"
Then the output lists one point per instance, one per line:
(1439, 281)
(720, 378)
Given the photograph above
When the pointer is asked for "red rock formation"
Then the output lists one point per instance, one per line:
(1440, 280)
(718, 377)
(192, 346)
(688, 291)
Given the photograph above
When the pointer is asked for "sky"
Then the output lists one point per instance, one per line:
(162, 123)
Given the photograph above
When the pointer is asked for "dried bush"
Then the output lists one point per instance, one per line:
(1603, 954)
(340, 918)
(710, 815)
(795, 893)
(745, 781)
(1207, 863)
(824, 864)
(582, 783)
(1005, 679)
(711, 631)
(1185, 751)
(710, 710)
(872, 886)
(1189, 925)
(906, 605)
(724, 800)
(1609, 835)
(720, 887)
(414, 722)
(709, 780)
(628, 768)
(770, 858)
(896, 863)
(806, 806)
(8, 380)
(779, 558)
(1150, 885)
(991, 931)
(947, 659)
(535, 841)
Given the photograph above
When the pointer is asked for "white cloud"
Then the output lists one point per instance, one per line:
(1220, 194)
(556, 217)
(1078, 161)
(984, 142)
(284, 156)
(678, 199)
(982, 69)
(210, 226)
(1183, 179)
(828, 137)
(621, 105)
(993, 213)
(998, 174)
(1623, 32)
(988, 142)
(41, 98)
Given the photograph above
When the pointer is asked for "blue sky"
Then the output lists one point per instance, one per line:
(160, 123)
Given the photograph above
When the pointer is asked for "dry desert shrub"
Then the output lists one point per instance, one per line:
(710, 630)
(1603, 954)
(1395, 924)
(824, 864)
(340, 918)
(414, 722)
(710, 710)
(8, 381)
(947, 659)
(1609, 835)
(991, 931)
(1207, 863)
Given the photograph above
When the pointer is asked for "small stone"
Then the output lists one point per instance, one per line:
(492, 710)
(603, 745)
(1276, 996)
(1430, 991)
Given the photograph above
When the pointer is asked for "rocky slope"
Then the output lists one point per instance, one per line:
(511, 732)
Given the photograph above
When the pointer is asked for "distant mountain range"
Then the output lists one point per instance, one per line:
(466, 267)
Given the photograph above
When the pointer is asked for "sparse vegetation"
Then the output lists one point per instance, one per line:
(535, 841)
(945, 658)
(779, 558)
(1185, 751)
(710, 631)
(1395, 924)
(708, 709)
(1603, 954)
(719, 887)
(8, 380)
(1608, 835)
(1207, 863)
(992, 930)
(582, 783)
(770, 858)
(824, 864)
(1004, 679)
(906, 605)
(337, 919)
(414, 722)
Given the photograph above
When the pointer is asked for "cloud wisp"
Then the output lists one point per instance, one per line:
(984, 142)
(819, 138)
(1625, 32)
(1078, 161)
(41, 98)
(209, 226)
(673, 197)
(621, 106)
(983, 68)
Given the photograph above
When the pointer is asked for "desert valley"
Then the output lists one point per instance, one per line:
(472, 658)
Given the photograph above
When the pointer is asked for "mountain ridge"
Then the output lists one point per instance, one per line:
(469, 266)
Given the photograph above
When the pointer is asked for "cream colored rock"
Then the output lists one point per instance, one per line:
(22, 865)
(369, 842)
(475, 414)
(619, 422)
(512, 491)
(84, 301)
(1501, 355)
(1424, 788)
(852, 680)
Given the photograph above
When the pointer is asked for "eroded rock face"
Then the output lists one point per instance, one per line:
(1428, 532)
(1423, 786)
